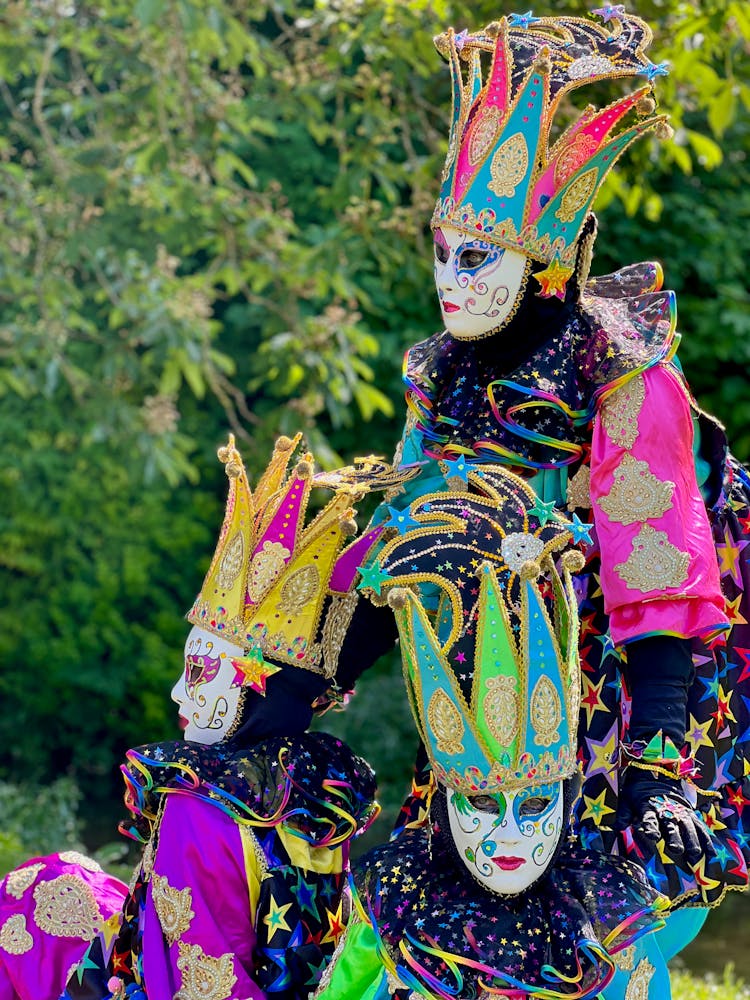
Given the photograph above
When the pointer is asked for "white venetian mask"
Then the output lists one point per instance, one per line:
(477, 282)
(208, 691)
(508, 839)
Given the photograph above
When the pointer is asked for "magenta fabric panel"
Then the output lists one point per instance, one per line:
(50, 908)
(664, 442)
(200, 849)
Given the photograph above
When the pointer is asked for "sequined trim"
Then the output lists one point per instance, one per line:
(654, 563)
(66, 907)
(204, 977)
(335, 628)
(14, 937)
(579, 489)
(545, 712)
(446, 723)
(21, 879)
(173, 907)
(620, 410)
(76, 858)
(636, 494)
(637, 988)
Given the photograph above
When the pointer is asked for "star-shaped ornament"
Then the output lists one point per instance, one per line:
(401, 520)
(610, 12)
(542, 511)
(253, 671)
(580, 530)
(455, 469)
(553, 280)
(373, 578)
(652, 70)
(522, 20)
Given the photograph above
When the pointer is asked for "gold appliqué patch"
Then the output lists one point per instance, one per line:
(545, 712)
(14, 937)
(579, 489)
(336, 625)
(654, 563)
(636, 494)
(446, 723)
(173, 907)
(204, 977)
(625, 959)
(483, 135)
(299, 590)
(231, 563)
(66, 907)
(76, 858)
(620, 410)
(637, 988)
(501, 709)
(20, 880)
(509, 166)
(573, 156)
(265, 568)
(576, 196)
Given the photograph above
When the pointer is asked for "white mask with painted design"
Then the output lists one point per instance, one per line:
(478, 283)
(507, 840)
(208, 691)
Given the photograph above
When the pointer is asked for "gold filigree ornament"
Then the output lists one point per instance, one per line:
(231, 563)
(579, 489)
(14, 936)
(509, 166)
(22, 879)
(66, 907)
(483, 136)
(637, 988)
(620, 410)
(173, 907)
(579, 192)
(336, 625)
(654, 563)
(265, 568)
(636, 494)
(501, 709)
(204, 977)
(76, 858)
(299, 590)
(545, 712)
(625, 959)
(573, 156)
(446, 723)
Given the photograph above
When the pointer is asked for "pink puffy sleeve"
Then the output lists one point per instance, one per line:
(659, 570)
(199, 919)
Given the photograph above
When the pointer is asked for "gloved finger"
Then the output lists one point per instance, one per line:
(673, 844)
(691, 843)
(649, 826)
(704, 836)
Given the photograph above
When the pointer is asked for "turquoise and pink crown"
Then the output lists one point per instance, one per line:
(502, 181)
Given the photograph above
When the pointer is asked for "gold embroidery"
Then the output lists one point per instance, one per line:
(265, 568)
(231, 563)
(636, 494)
(21, 879)
(335, 628)
(14, 937)
(299, 590)
(637, 988)
(76, 858)
(501, 709)
(483, 135)
(446, 723)
(173, 907)
(579, 489)
(545, 712)
(204, 977)
(576, 196)
(620, 412)
(66, 907)
(509, 166)
(573, 156)
(625, 959)
(654, 563)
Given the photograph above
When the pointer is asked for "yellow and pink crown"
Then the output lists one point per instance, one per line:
(502, 181)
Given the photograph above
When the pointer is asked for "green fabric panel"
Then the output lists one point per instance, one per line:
(357, 973)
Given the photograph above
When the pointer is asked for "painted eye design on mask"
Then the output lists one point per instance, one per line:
(472, 258)
(534, 806)
(485, 803)
(200, 668)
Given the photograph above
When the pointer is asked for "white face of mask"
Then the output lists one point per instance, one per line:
(477, 282)
(208, 690)
(507, 840)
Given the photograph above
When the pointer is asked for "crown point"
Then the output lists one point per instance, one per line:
(397, 598)
(664, 130)
(530, 570)
(573, 561)
(645, 105)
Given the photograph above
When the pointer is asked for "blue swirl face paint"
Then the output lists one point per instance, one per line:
(478, 283)
(507, 839)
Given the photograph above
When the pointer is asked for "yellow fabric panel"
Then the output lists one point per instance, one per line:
(312, 859)
(255, 865)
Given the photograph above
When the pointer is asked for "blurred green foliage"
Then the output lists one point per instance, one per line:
(213, 215)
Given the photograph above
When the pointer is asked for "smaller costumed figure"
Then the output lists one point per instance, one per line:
(493, 897)
(247, 822)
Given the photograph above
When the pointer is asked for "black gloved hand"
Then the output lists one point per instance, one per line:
(655, 806)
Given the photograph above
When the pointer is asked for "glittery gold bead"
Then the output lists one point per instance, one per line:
(348, 527)
(645, 105)
(304, 469)
(543, 63)
(397, 598)
(493, 29)
(530, 570)
(233, 470)
(664, 131)
(283, 443)
(573, 561)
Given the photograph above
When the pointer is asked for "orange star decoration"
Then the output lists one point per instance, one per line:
(553, 279)
(253, 671)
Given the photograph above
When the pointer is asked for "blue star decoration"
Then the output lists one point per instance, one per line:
(373, 577)
(522, 20)
(543, 512)
(455, 468)
(651, 70)
(580, 530)
(401, 520)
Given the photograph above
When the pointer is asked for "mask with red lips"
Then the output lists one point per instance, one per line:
(479, 284)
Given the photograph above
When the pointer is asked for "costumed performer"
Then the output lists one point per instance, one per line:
(493, 897)
(246, 823)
